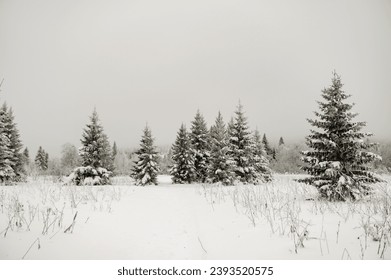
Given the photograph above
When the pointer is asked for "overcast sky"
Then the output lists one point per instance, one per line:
(159, 61)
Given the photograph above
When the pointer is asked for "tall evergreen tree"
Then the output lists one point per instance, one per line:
(6, 171)
(241, 144)
(183, 170)
(261, 163)
(199, 137)
(96, 151)
(41, 159)
(339, 156)
(221, 165)
(16, 147)
(12, 149)
(146, 166)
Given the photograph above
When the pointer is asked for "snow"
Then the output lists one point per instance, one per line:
(186, 222)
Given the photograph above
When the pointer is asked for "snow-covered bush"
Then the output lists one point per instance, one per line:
(89, 175)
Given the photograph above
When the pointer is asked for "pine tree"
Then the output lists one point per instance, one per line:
(221, 165)
(261, 163)
(199, 137)
(281, 142)
(146, 167)
(41, 159)
(183, 170)
(241, 144)
(339, 157)
(96, 151)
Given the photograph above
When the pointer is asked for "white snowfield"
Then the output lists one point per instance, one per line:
(279, 220)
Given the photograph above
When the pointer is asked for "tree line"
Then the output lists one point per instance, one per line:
(339, 159)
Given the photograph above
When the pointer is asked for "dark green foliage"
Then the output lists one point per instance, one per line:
(338, 161)
(199, 137)
(146, 166)
(183, 170)
(221, 165)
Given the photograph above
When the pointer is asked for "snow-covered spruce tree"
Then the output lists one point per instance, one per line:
(16, 147)
(241, 145)
(199, 137)
(182, 171)
(41, 159)
(146, 166)
(261, 163)
(339, 157)
(221, 165)
(96, 156)
(6, 171)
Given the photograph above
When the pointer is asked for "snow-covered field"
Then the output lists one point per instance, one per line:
(42, 219)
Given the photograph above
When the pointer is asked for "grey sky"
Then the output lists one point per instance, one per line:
(159, 61)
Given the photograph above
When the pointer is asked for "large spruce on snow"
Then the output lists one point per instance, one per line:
(146, 167)
(183, 171)
(96, 156)
(11, 158)
(242, 148)
(338, 160)
(199, 137)
(221, 165)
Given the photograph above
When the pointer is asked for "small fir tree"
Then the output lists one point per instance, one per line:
(221, 164)
(199, 137)
(96, 151)
(41, 159)
(241, 144)
(183, 170)
(146, 166)
(261, 163)
(338, 162)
